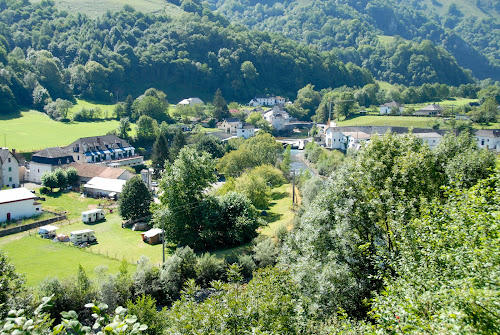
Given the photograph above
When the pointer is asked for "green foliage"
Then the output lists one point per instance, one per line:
(72, 176)
(49, 180)
(182, 186)
(147, 129)
(433, 253)
(325, 161)
(258, 150)
(160, 152)
(208, 268)
(287, 160)
(144, 307)
(10, 284)
(135, 199)
(211, 144)
(221, 111)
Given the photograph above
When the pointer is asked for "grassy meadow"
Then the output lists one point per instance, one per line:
(32, 130)
(95, 8)
(39, 258)
(383, 120)
(107, 110)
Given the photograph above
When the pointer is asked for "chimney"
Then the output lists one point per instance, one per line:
(13, 151)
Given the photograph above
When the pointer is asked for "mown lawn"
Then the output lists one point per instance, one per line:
(383, 120)
(71, 203)
(32, 131)
(39, 258)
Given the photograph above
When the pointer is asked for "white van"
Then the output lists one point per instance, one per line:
(93, 215)
(81, 236)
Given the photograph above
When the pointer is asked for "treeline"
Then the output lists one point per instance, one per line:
(352, 27)
(46, 53)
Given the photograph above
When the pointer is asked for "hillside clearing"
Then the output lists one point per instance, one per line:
(32, 131)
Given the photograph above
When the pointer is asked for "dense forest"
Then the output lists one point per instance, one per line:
(49, 53)
(353, 28)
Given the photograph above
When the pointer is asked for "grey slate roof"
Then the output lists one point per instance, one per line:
(392, 104)
(3, 154)
(54, 152)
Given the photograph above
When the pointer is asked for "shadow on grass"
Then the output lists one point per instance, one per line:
(272, 217)
(278, 195)
(5, 117)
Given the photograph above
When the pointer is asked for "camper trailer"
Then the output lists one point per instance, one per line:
(82, 236)
(47, 231)
(93, 215)
(153, 236)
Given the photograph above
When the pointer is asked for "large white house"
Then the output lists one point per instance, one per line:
(9, 169)
(18, 203)
(47, 160)
(267, 101)
(489, 139)
(229, 125)
(277, 117)
(245, 130)
(105, 150)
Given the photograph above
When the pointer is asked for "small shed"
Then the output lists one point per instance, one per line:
(47, 231)
(153, 236)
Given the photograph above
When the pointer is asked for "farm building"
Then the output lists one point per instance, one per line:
(104, 187)
(88, 171)
(430, 110)
(18, 203)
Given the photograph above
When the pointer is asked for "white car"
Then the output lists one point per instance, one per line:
(154, 183)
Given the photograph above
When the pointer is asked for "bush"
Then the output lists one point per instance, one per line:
(44, 190)
(208, 268)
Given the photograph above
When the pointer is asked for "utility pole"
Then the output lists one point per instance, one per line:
(293, 189)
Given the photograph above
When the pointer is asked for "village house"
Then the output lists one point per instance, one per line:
(47, 160)
(190, 102)
(229, 125)
(388, 108)
(245, 130)
(430, 110)
(432, 139)
(277, 117)
(489, 139)
(107, 150)
(343, 138)
(9, 169)
(18, 203)
(267, 101)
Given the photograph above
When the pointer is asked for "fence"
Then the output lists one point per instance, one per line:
(18, 229)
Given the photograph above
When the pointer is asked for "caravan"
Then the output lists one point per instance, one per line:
(82, 236)
(93, 215)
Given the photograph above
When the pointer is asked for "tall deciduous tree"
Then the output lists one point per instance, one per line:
(183, 185)
(135, 199)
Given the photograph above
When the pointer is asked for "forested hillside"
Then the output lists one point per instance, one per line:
(46, 52)
(469, 30)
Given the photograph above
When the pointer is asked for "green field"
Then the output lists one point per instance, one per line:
(280, 213)
(394, 121)
(107, 110)
(71, 203)
(32, 130)
(455, 102)
(95, 8)
(39, 258)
